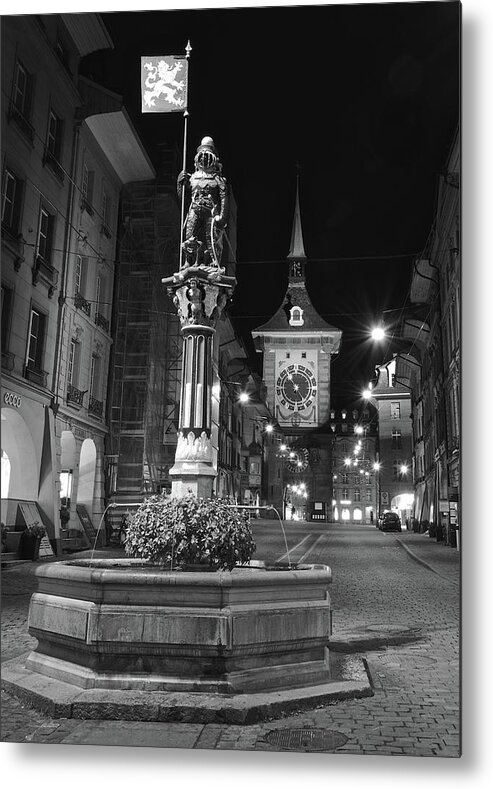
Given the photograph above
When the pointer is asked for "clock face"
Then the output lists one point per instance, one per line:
(296, 387)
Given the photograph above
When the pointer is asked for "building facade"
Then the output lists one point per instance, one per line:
(431, 363)
(355, 465)
(392, 400)
(66, 146)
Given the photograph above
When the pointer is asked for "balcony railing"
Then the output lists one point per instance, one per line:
(95, 407)
(44, 271)
(82, 304)
(75, 396)
(35, 375)
(105, 230)
(100, 320)
(50, 159)
(86, 206)
(8, 361)
(22, 122)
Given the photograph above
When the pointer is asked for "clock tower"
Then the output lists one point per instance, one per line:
(298, 346)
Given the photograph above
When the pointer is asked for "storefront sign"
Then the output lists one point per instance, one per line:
(12, 399)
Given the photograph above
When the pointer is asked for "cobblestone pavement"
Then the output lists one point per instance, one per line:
(415, 709)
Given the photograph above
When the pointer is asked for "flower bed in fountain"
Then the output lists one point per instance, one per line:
(125, 623)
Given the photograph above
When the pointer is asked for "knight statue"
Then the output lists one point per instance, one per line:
(207, 215)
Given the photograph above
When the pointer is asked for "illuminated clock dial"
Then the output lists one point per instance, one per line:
(296, 387)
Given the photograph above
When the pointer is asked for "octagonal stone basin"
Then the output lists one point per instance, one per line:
(124, 625)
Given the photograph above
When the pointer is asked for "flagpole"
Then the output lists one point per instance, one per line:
(188, 49)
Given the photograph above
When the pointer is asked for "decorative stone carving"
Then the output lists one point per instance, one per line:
(191, 447)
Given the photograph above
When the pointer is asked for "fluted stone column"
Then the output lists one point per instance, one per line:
(199, 294)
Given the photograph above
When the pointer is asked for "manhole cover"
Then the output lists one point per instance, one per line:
(306, 739)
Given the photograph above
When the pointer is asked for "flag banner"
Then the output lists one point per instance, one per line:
(164, 81)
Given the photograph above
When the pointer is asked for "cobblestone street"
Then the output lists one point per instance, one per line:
(410, 645)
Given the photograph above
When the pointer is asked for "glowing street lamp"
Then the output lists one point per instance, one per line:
(244, 397)
(269, 428)
(404, 469)
(378, 333)
(283, 447)
(376, 467)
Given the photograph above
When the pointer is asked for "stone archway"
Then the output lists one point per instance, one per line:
(20, 454)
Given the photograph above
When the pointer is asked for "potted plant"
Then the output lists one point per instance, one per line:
(30, 540)
(189, 533)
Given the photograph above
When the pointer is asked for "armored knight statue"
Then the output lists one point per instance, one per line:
(208, 211)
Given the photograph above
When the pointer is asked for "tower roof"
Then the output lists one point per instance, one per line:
(296, 313)
(297, 249)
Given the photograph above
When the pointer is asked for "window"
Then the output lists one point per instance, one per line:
(357, 514)
(344, 427)
(35, 344)
(45, 235)
(357, 494)
(396, 439)
(73, 362)
(303, 355)
(21, 97)
(53, 148)
(11, 201)
(106, 214)
(80, 274)
(54, 139)
(396, 469)
(368, 495)
(94, 385)
(345, 494)
(395, 410)
(296, 318)
(357, 480)
(344, 479)
(87, 189)
(7, 295)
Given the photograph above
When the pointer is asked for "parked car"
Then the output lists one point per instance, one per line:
(390, 521)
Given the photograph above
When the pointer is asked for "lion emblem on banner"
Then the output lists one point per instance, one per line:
(161, 81)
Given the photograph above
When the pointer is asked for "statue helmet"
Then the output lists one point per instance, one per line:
(206, 155)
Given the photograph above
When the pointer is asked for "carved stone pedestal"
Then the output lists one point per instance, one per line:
(199, 294)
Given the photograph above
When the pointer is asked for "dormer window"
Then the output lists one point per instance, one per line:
(296, 318)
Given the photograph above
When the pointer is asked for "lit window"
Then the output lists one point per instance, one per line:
(395, 410)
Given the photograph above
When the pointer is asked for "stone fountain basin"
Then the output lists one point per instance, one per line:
(119, 624)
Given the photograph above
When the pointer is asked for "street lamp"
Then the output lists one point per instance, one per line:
(378, 333)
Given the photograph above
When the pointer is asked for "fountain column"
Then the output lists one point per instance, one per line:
(199, 294)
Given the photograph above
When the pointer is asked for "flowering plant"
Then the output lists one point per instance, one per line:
(36, 530)
(187, 531)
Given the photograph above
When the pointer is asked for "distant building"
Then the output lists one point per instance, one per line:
(298, 346)
(68, 147)
(392, 399)
(354, 458)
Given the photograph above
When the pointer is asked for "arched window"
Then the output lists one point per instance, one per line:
(357, 514)
(296, 318)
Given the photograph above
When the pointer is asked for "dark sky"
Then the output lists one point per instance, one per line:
(364, 97)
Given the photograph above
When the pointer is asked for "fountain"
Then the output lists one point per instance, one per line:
(124, 638)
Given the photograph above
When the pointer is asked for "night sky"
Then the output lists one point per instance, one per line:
(364, 98)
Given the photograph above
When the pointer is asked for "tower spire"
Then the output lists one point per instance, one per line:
(296, 255)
